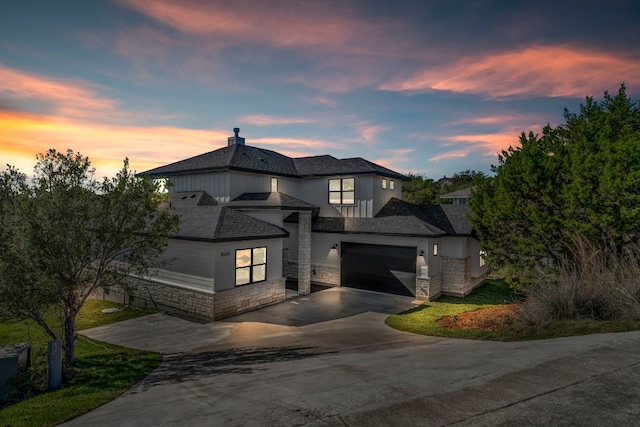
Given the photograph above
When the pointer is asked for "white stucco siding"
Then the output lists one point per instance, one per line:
(216, 184)
(382, 195)
(454, 247)
(225, 267)
(189, 257)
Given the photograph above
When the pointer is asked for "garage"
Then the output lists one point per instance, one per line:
(380, 268)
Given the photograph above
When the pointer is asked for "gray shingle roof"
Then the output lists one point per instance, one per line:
(276, 200)
(253, 159)
(465, 192)
(329, 165)
(206, 222)
(452, 219)
(238, 157)
(390, 225)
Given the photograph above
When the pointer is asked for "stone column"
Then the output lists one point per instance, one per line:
(304, 252)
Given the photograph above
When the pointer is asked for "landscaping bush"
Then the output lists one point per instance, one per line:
(599, 282)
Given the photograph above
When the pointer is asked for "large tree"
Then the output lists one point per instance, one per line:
(581, 178)
(66, 234)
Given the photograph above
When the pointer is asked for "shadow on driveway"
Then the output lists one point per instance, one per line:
(326, 305)
(185, 367)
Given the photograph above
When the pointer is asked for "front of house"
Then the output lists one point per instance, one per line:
(253, 219)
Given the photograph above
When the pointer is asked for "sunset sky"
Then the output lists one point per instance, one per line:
(429, 87)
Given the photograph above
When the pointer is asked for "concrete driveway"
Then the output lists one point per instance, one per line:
(328, 359)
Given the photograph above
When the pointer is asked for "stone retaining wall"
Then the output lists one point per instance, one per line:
(147, 293)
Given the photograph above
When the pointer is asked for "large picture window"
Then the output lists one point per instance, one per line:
(251, 265)
(342, 191)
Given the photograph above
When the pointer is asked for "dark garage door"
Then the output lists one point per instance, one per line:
(380, 268)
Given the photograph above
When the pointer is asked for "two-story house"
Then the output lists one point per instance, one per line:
(253, 218)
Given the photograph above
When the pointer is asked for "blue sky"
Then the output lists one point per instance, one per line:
(429, 87)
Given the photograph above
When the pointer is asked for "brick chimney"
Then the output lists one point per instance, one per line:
(235, 139)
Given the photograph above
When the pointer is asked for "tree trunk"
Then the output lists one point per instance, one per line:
(69, 325)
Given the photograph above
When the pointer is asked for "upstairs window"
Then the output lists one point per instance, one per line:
(391, 185)
(342, 191)
(435, 249)
(274, 185)
(384, 183)
(251, 265)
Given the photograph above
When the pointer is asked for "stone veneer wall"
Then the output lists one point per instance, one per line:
(429, 288)
(304, 252)
(143, 292)
(248, 297)
(319, 274)
(325, 275)
(455, 276)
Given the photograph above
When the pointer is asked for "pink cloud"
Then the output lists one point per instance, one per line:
(450, 155)
(560, 70)
(76, 98)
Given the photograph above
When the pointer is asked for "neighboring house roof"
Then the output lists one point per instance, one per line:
(206, 222)
(452, 219)
(252, 159)
(232, 157)
(276, 200)
(465, 193)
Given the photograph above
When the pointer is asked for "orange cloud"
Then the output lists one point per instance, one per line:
(22, 136)
(450, 155)
(267, 120)
(540, 70)
(76, 99)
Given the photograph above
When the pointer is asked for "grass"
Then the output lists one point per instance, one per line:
(101, 373)
(422, 319)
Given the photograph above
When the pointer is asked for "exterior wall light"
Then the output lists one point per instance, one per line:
(335, 246)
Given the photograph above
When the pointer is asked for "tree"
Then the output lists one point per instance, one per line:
(66, 234)
(420, 190)
(579, 178)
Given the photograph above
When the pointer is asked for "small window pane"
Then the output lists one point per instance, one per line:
(435, 249)
(348, 198)
(243, 276)
(391, 185)
(259, 273)
(274, 185)
(243, 258)
(334, 198)
(259, 256)
(384, 183)
(334, 185)
(348, 184)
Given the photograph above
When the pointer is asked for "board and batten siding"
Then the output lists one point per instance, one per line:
(216, 184)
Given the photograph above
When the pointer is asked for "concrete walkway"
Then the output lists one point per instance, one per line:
(328, 359)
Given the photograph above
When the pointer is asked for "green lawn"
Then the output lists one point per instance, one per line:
(422, 319)
(101, 373)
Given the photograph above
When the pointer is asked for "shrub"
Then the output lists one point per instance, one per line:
(599, 282)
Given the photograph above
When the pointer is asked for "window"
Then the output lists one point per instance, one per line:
(162, 185)
(435, 249)
(274, 185)
(342, 191)
(391, 185)
(482, 261)
(251, 265)
(384, 183)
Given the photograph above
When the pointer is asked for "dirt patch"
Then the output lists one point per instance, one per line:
(490, 319)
